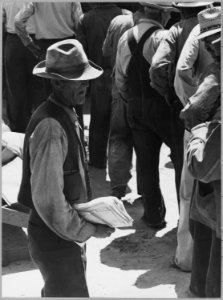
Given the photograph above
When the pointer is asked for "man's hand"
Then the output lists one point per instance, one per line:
(200, 131)
(35, 49)
(103, 231)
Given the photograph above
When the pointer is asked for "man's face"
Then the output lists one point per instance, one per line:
(214, 49)
(73, 93)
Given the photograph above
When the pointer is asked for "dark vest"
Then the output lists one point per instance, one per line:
(72, 179)
(141, 94)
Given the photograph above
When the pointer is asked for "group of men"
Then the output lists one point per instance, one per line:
(150, 86)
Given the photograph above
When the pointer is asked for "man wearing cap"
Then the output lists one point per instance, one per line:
(55, 175)
(148, 114)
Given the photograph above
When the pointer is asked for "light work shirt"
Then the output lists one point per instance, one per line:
(48, 148)
(165, 59)
(124, 54)
(115, 30)
(191, 65)
(52, 20)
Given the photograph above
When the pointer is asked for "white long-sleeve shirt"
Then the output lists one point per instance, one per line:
(52, 20)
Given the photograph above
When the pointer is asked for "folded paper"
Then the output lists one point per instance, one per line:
(105, 210)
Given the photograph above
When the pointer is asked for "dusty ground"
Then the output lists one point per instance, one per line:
(132, 263)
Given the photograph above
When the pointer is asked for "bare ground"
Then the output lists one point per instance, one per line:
(132, 263)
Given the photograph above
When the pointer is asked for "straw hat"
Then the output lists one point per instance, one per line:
(66, 60)
(209, 21)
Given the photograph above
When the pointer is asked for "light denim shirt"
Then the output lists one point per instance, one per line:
(48, 149)
(165, 59)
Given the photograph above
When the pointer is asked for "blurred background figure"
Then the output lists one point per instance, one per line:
(92, 29)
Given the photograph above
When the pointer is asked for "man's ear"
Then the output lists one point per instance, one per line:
(57, 84)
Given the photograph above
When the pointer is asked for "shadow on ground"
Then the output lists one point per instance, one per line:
(144, 250)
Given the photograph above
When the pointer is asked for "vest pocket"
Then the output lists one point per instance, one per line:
(72, 185)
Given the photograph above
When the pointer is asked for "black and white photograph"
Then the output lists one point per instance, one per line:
(111, 149)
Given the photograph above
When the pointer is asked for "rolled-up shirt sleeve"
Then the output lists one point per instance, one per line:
(76, 12)
(48, 148)
(21, 20)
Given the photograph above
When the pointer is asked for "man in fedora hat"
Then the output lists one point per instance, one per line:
(147, 112)
(55, 175)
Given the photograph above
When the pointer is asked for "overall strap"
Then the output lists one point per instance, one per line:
(133, 46)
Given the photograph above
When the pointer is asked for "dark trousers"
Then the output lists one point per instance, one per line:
(61, 263)
(24, 91)
(151, 127)
(101, 100)
(206, 264)
(120, 145)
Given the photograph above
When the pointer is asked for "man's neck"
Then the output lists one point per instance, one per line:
(57, 100)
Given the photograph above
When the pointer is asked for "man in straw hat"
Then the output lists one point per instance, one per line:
(148, 114)
(203, 159)
(55, 175)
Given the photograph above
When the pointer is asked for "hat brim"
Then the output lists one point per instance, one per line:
(92, 71)
(208, 33)
(217, 40)
(190, 4)
(154, 5)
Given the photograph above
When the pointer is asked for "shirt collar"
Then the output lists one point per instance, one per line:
(153, 22)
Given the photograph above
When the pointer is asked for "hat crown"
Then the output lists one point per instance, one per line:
(209, 19)
(66, 56)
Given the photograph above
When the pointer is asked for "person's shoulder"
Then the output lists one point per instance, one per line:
(122, 19)
(160, 33)
(50, 128)
(124, 38)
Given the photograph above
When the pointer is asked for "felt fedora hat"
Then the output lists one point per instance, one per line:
(191, 4)
(210, 21)
(66, 60)
(162, 5)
